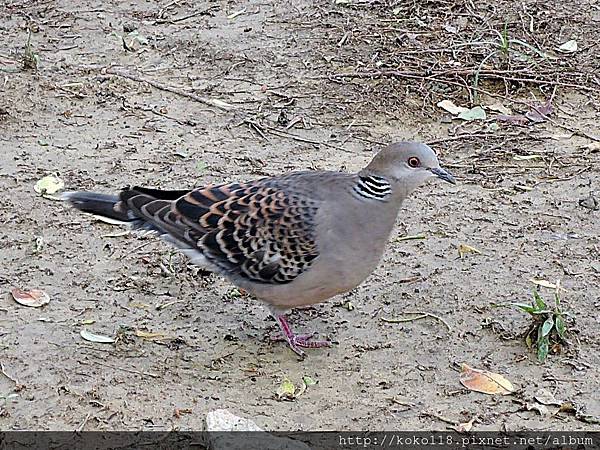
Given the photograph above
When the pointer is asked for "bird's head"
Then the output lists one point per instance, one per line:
(407, 165)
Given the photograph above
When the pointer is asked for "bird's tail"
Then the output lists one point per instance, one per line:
(103, 205)
(130, 207)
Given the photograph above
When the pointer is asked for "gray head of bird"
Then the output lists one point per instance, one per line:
(406, 166)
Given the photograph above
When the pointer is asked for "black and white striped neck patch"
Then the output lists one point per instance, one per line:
(372, 188)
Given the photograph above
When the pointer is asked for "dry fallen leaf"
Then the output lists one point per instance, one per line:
(149, 335)
(540, 112)
(286, 390)
(49, 185)
(33, 298)
(476, 113)
(569, 47)
(464, 248)
(545, 397)
(484, 381)
(465, 427)
(88, 336)
(306, 382)
(541, 409)
(449, 106)
(547, 284)
(568, 407)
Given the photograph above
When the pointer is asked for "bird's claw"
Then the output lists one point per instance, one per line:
(298, 341)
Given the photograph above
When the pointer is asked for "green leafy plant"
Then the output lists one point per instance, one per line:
(548, 329)
(504, 40)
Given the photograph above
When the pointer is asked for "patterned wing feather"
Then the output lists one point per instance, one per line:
(261, 231)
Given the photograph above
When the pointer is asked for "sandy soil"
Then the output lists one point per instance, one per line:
(269, 60)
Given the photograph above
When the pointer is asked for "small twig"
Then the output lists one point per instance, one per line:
(572, 130)
(115, 235)
(439, 417)
(344, 38)
(434, 77)
(477, 73)
(166, 305)
(409, 279)
(256, 127)
(280, 133)
(189, 16)
(579, 172)
(400, 402)
(82, 424)
(237, 13)
(69, 91)
(410, 238)
(207, 101)
(162, 10)
(166, 116)
(419, 315)
(139, 247)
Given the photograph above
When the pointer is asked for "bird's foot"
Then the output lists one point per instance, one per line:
(298, 341)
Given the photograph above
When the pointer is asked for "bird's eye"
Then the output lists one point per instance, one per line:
(414, 162)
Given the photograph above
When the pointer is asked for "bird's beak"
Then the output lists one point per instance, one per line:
(443, 174)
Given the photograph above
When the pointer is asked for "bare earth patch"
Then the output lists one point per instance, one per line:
(107, 94)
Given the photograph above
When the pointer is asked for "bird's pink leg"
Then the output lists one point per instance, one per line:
(301, 340)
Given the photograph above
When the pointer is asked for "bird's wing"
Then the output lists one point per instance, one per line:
(260, 231)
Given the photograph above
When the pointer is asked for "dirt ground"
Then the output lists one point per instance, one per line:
(525, 200)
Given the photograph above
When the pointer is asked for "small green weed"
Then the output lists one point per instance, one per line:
(548, 330)
(31, 59)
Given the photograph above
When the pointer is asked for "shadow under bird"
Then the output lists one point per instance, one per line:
(291, 240)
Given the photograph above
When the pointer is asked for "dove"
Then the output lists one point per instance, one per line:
(291, 240)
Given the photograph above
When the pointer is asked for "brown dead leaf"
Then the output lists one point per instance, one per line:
(33, 298)
(484, 381)
(537, 114)
(540, 112)
(567, 407)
